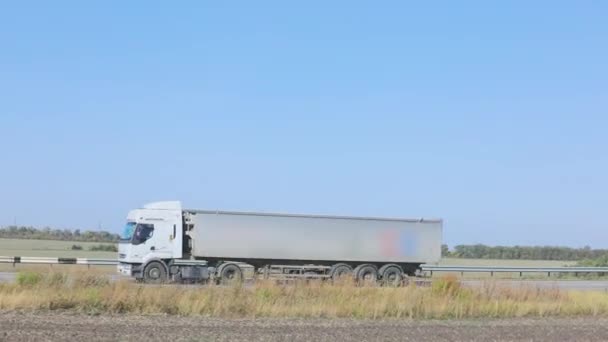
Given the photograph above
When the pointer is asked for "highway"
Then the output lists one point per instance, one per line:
(581, 285)
(9, 277)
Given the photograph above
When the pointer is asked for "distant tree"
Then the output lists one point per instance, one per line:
(445, 251)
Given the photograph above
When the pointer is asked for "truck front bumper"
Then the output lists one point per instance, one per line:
(132, 270)
(125, 269)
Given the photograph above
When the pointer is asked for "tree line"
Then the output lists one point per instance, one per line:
(480, 251)
(22, 232)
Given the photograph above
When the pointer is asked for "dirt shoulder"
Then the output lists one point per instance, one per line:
(59, 327)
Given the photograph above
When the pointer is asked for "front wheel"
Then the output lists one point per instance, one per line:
(231, 274)
(155, 273)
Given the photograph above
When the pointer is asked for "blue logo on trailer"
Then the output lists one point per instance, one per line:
(408, 244)
(399, 244)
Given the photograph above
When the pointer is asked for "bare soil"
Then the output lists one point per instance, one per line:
(19, 326)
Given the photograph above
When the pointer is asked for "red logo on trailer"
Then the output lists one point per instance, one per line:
(389, 240)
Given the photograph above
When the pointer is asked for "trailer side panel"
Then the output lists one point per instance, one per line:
(300, 237)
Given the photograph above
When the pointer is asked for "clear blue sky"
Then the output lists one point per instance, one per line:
(491, 116)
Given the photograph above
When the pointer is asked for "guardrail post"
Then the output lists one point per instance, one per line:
(491, 273)
(521, 274)
(549, 274)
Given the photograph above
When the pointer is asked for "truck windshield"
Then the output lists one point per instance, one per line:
(127, 232)
(142, 233)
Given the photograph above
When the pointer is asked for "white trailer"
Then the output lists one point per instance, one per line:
(164, 242)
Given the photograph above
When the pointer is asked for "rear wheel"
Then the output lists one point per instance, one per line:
(231, 274)
(391, 275)
(155, 273)
(366, 274)
(340, 271)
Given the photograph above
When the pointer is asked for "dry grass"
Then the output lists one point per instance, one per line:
(93, 294)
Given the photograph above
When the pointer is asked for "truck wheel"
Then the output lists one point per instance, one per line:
(391, 275)
(155, 273)
(366, 274)
(338, 271)
(231, 274)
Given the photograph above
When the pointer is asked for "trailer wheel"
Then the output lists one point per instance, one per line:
(391, 275)
(338, 271)
(231, 274)
(366, 274)
(155, 273)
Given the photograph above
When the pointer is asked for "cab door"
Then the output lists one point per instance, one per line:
(160, 242)
(142, 241)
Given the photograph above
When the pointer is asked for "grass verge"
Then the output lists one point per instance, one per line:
(94, 294)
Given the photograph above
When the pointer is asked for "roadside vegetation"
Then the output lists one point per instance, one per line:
(97, 248)
(479, 251)
(445, 299)
(598, 262)
(21, 232)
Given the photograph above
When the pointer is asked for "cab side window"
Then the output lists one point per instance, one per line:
(142, 233)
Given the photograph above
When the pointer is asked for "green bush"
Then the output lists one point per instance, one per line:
(29, 278)
(598, 262)
(103, 248)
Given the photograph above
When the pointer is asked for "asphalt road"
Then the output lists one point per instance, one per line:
(582, 285)
(7, 277)
(16, 326)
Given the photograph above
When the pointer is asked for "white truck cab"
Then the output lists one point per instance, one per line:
(151, 233)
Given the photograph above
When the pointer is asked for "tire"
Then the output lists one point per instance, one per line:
(366, 274)
(231, 274)
(155, 273)
(339, 271)
(391, 275)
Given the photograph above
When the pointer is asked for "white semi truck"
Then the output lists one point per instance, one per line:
(162, 242)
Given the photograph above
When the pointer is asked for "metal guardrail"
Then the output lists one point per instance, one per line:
(56, 261)
(512, 269)
(425, 268)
